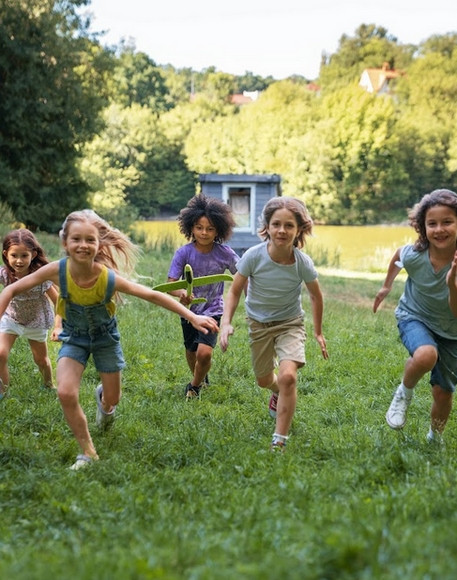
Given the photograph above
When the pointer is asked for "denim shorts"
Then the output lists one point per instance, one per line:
(193, 337)
(414, 334)
(105, 349)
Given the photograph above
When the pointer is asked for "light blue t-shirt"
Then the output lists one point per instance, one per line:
(274, 290)
(220, 259)
(426, 295)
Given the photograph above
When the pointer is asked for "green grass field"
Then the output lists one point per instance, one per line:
(191, 490)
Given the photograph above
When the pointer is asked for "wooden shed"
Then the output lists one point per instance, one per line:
(246, 194)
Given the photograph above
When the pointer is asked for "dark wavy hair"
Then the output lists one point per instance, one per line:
(23, 237)
(297, 207)
(418, 213)
(218, 213)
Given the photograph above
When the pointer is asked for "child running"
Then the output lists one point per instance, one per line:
(276, 270)
(207, 222)
(427, 311)
(30, 314)
(88, 280)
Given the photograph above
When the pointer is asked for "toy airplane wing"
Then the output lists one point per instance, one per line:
(214, 279)
(170, 286)
(188, 282)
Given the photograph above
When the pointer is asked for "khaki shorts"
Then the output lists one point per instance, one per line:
(273, 342)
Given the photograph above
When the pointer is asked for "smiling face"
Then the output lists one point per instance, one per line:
(282, 229)
(19, 257)
(441, 227)
(204, 234)
(82, 241)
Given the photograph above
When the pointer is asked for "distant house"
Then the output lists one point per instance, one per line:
(246, 194)
(244, 98)
(378, 80)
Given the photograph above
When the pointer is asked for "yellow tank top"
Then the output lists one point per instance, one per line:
(86, 296)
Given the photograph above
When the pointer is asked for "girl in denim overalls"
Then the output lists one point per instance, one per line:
(86, 322)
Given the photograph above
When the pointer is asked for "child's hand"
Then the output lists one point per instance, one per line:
(380, 297)
(185, 300)
(226, 331)
(55, 333)
(205, 324)
(181, 295)
(323, 345)
(452, 274)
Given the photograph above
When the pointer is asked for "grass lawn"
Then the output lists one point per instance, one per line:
(191, 491)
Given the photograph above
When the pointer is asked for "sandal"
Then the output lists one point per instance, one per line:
(49, 388)
(81, 462)
(192, 392)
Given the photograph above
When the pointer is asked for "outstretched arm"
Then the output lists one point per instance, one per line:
(202, 323)
(317, 309)
(48, 272)
(233, 297)
(451, 280)
(392, 272)
(53, 294)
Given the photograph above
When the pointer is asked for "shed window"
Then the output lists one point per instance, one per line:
(239, 198)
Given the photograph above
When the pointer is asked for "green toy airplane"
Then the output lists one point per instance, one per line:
(188, 282)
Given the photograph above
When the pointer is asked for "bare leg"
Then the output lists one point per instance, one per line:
(199, 363)
(268, 382)
(422, 361)
(441, 408)
(42, 360)
(202, 363)
(286, 384)
(287, 401)
(191, 358)
(6, 344)
(69, 373)
(111, 390)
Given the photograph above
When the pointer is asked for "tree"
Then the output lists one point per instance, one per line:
(133, 169)
(371, 46)
(426, 97)
(252, 82)
(137, 79)
(52, 88)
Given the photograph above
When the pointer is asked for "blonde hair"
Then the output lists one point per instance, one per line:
(116, 250)
(297, 207)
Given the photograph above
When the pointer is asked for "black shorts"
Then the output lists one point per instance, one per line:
(193, 337)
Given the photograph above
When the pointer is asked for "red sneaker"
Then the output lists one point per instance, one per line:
(272, 405)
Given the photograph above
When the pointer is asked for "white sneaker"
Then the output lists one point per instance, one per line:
(435, 438)
(82, 461)
(102, 418)
(396, 413)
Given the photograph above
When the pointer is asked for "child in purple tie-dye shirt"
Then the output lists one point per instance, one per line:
(207, 222)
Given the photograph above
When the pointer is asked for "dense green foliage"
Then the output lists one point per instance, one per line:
(82, 124)
(51, 91)
(188, 491)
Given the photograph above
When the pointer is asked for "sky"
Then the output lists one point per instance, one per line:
(277, 38)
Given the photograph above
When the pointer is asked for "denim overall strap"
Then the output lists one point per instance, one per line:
(63, 281)
(109, 286)
(63, 278)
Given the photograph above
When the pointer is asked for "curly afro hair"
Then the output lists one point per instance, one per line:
(217, 212)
